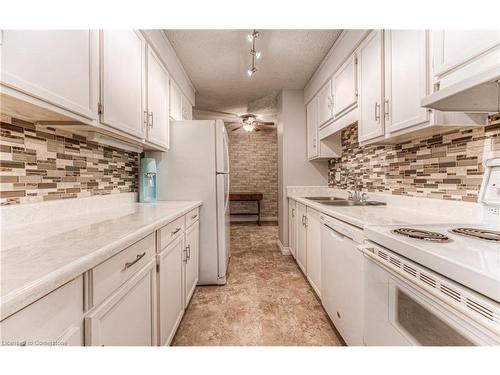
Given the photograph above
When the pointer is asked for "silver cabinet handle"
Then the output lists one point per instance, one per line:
(293, 212)
(138, 258)
(386, 109)
(314, 142)
(150, 119)
(146, 119)
(194, 217)
(305, 221)
(175, 231)
(377, 111)
(188, 253)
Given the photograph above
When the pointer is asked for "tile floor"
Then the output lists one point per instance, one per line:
(266, 301)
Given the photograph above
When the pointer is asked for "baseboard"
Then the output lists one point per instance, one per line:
(284, 250)
(251, 218)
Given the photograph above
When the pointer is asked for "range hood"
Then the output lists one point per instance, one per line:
(477, 93)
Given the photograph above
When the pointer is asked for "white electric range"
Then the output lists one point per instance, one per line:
(436, 284)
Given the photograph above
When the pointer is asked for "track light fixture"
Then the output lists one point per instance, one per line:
(253, 52)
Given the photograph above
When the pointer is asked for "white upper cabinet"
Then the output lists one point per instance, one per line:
(325, 104)
(59, 67)
(158, 101)
(312, 129)
(175, 101)
(345, 88)
(453, 48)
(406, 78)
(123, 55)
(371, 124)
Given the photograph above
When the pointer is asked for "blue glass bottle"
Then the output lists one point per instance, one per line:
(147, 180)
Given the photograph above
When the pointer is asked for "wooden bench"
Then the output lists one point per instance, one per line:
(247, 197)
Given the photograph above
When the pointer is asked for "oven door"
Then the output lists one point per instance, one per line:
(399, 313)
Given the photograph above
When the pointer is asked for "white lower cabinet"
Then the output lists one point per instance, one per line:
(56, 319)
(292, 227)
(170, 290)
(302, 237)
(313, 249)
(128, 316)
(191, 260)
(177, 276)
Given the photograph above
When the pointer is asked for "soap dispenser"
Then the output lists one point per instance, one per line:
(147, 180)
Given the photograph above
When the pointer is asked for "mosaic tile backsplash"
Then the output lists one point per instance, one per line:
(45, 164)
(254, 168)
(444, 166)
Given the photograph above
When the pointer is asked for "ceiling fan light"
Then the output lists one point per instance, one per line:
(257, 55)
(250, 37)
(252, 71)
(248, 127)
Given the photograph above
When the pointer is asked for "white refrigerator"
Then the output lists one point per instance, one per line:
(197, 168)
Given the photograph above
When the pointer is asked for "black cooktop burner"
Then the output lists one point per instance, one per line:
(420, 234)
(482, 234)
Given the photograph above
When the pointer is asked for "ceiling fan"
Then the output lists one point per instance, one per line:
(249, 122)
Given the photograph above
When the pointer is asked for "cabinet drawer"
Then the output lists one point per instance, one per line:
(192, 216)
(112, 273)
(170, 232)
(56, 319)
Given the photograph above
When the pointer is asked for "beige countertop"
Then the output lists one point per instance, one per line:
(397, 211)
(38, 258)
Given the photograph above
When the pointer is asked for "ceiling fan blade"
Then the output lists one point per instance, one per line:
(264, 123)
(239, 127)
(257, 129)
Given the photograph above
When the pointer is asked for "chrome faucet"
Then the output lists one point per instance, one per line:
(357, 195)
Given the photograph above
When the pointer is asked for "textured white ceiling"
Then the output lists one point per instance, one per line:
(217, 62)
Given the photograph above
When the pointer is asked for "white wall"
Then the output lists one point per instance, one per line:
(293, 167)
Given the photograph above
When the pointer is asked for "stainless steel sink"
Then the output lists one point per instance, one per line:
(327, 199)
(335, 201)
(346, 202)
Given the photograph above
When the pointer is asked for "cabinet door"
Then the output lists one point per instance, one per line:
(406, 78)
(313, 250)
(175, 101)
(312, 129)
(370, 123)
(292, 227)
(325, 111)
(455, 48)
(127, 317)
(55, 319)
(191, 260)
(158, 101)
(57, 66)
(170, 290)
(187, 109)
(344, 87)
(301, 237)
(123, 55)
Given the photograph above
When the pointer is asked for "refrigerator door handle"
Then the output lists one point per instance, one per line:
(227, 192)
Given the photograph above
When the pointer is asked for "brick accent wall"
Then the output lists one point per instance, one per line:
(254, 168)
(444, 166)
(45, 164)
